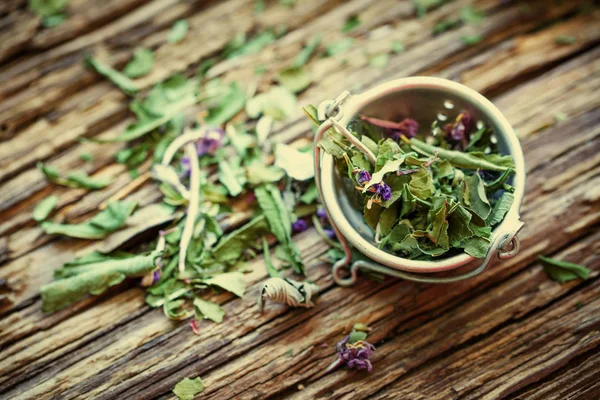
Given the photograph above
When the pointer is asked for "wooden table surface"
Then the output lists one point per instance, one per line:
(508, 333)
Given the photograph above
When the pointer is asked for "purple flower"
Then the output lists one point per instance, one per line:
(155, 276)
(329, 232)
(461, 129)
(299, 226)
(321, 213)
(185, 165)
(383, 190)
(364, 176)
(408, 127)
(210, 142)
(355, 355)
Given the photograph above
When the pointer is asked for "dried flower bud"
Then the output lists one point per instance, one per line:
(299, 226)
(364, 176)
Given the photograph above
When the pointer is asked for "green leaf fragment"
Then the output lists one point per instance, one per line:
(295, 79)
(178, 31)
(44, 208)
(48, 8)
(475, 197)
(379, 60)
(120, 80)
(352, 22)
(471, 40)
(563, 271)
(304, 55)
(357, 336)
(229, 105)
(280, 222)
(271, 270)
(565, 40)
(228, 177)
(208, 310)
(421, 184)
(501, 207)
(341, 46)
(93, 279)
(141, 64)
(231, 281)
(188, 388)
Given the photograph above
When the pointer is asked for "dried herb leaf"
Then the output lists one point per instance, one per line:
(208, 310)
(271, 270)
(44, 208)
(231, 247)
(230, 104)
(500, 208)
(352, 22)
(563, 271)
(48, 8)
(295, 79)
(278, 103)
(304, 55)
(473, 160)
(141, 64)
(341, 46)
(231, 281)
(78, 179)
(188, 388)
(280, 222)
(120, 80)
(178, 31)
(93, 279)
(296, 164)
(105, 222)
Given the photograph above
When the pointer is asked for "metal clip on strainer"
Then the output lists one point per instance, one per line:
(424, 99)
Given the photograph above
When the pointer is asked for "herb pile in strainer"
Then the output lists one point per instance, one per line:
(429, 192)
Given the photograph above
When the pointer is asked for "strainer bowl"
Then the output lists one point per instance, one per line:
(424, 99)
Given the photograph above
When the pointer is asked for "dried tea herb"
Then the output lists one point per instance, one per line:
(120, 80)
(341, 46)
(188, 388)
(44, 208)
(178, 31)
(51, 11)
(352, 22)
(428, 195)
(76, 179)
(563, 271)
(141, 64)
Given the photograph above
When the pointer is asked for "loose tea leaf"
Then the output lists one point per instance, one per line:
(178, 31)
(120, 80)
(270, 201)
(351, 23)
(295, 79)
(78, 179)
(48, 8)
(208, 310)
(188, 388)
(304, 55)
(93, 279)
(44, 208)
(271, 270)
(231, 281)
(563, 271)
(105, 222)
(141, 64)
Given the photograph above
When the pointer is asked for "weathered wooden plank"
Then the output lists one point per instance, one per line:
(577, 380)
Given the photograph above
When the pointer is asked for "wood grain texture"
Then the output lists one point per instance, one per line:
(508, 333)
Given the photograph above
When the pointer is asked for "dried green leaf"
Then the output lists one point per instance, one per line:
(563, 271)
(44, 208)
(352, 22)
(178, 31)
(229, 178)
(278, 103)
(231, 281)
(501, 207)
(296, 164)
(341, 46)
(48, 8)
(280, 221)
(421, 184)
(304, 55)
(93, 279)
(120, 80)
(295, 79)
(188, 388)
(471, 15)
(271, 270)
(477, 247)
(141, 64)
(357, 336)
(208, 310)
(231, 247)
(471, 40)
(475, 197)
(379, 60)
(230, 104)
